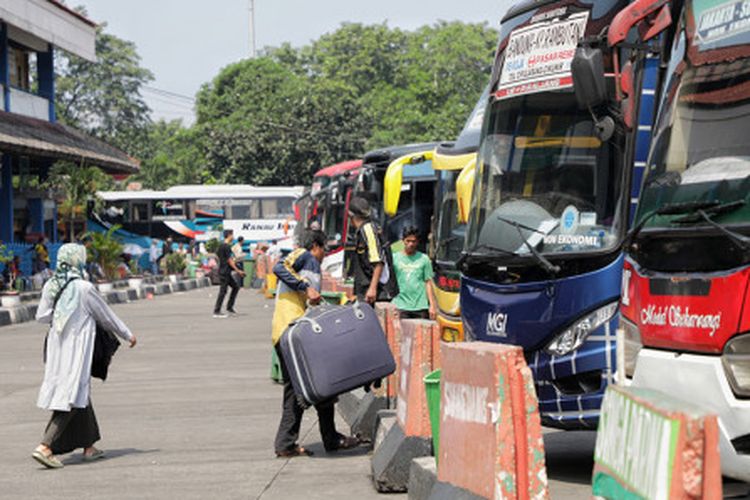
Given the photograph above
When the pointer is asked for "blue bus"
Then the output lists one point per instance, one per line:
(556, 180)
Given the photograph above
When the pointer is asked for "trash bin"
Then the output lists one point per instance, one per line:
(335, 298)
(191, 268)
(249, 268)
(432, 389)
(276, 375)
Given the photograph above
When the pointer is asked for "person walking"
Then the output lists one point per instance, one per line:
(414, 275)
(373, 279)
(226, 266)
(299, 282)
(73, 309)
(153, 257)
(41, 255)
(239, 259)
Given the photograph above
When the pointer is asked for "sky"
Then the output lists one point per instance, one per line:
(186, 42)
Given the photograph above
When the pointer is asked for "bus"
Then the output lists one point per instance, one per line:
(686, 283)
(448, 159)
(195, 212)
(416, 200)
(555, 180)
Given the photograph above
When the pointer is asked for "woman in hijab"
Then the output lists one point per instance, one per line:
(73, 308)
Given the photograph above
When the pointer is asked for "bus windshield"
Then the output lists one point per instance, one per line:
(545, 180)
(701, 151)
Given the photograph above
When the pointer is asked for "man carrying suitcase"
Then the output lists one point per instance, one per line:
(299, 277)
(373, 273)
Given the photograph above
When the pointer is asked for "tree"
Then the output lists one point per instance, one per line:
(103, 97)
(171, 154)
(265, 124)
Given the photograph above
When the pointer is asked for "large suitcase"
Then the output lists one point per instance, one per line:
(334, 349)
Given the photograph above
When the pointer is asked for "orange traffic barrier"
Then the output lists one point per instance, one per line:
(416, 362)
(653, 446)
(490, 431)
(389, 319)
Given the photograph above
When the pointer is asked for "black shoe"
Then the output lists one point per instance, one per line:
(232, 311)
(344, 443)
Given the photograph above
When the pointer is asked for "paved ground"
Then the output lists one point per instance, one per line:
(191, 413)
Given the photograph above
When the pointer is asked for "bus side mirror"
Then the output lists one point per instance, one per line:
(589, 84)
(464, 190)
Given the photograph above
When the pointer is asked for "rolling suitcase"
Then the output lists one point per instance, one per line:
(334, 349)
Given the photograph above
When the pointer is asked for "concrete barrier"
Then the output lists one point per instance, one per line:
(410, 437)
(490, 431)
(653, 446)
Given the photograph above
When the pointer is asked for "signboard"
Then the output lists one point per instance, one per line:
(538, 56)
(259, 230)
(650, 445)
(721, 21)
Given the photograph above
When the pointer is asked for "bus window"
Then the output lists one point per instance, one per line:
(277, 208)
(140, 211)
(247, 210)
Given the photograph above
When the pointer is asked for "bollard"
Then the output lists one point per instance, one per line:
(651, 445)
(410, 437)
(490, 431)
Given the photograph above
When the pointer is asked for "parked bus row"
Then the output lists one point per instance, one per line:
(610, 138)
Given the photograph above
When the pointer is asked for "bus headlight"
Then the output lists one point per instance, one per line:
(736, 361)
(575, 335)
(632, 345)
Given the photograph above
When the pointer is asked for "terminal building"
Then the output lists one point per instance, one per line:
(32, 34)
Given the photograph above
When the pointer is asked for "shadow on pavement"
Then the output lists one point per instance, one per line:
(109, 454)
(320, 452)
(569, 455)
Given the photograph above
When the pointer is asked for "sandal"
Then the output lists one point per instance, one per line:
(297, 451)
(344, 443)
(49, 461)
(96, 455)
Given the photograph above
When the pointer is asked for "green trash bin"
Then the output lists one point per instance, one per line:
(276, 375)
(191, 268)
(432, 388)
(249, 268)
(334, 298)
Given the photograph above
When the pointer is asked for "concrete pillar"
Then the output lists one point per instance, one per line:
(46, 78)
(36, 209)
(4, 66)
(6, 199)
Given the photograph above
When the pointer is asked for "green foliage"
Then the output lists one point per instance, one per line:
(212, 245)
(176, 263)
(103, 97)
(172, 155)
(105, 249)
(75, 185)
(5, 254)
(279, 118)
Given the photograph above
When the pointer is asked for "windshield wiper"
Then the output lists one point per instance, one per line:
(546, 264)
(493, 250)
(669, 209)
(742, 241)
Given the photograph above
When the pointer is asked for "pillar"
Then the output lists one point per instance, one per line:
(36, 209)
(6, 199)
(46, 78)
(4, 66)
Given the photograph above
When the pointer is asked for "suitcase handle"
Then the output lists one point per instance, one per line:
(316, 328)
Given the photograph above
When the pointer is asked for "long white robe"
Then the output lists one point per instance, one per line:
(67, 373)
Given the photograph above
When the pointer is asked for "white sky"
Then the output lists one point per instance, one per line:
(186, 42)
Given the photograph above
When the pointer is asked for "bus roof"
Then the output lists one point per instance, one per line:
(205, 192)
(339, 168)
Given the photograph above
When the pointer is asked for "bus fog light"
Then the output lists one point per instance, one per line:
(736, 361)
(575, 335)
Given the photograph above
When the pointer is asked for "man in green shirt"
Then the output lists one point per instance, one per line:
(414, 275)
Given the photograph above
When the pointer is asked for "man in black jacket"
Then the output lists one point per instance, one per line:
(226, 266)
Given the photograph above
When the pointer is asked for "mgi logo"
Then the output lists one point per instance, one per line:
(496, 323)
